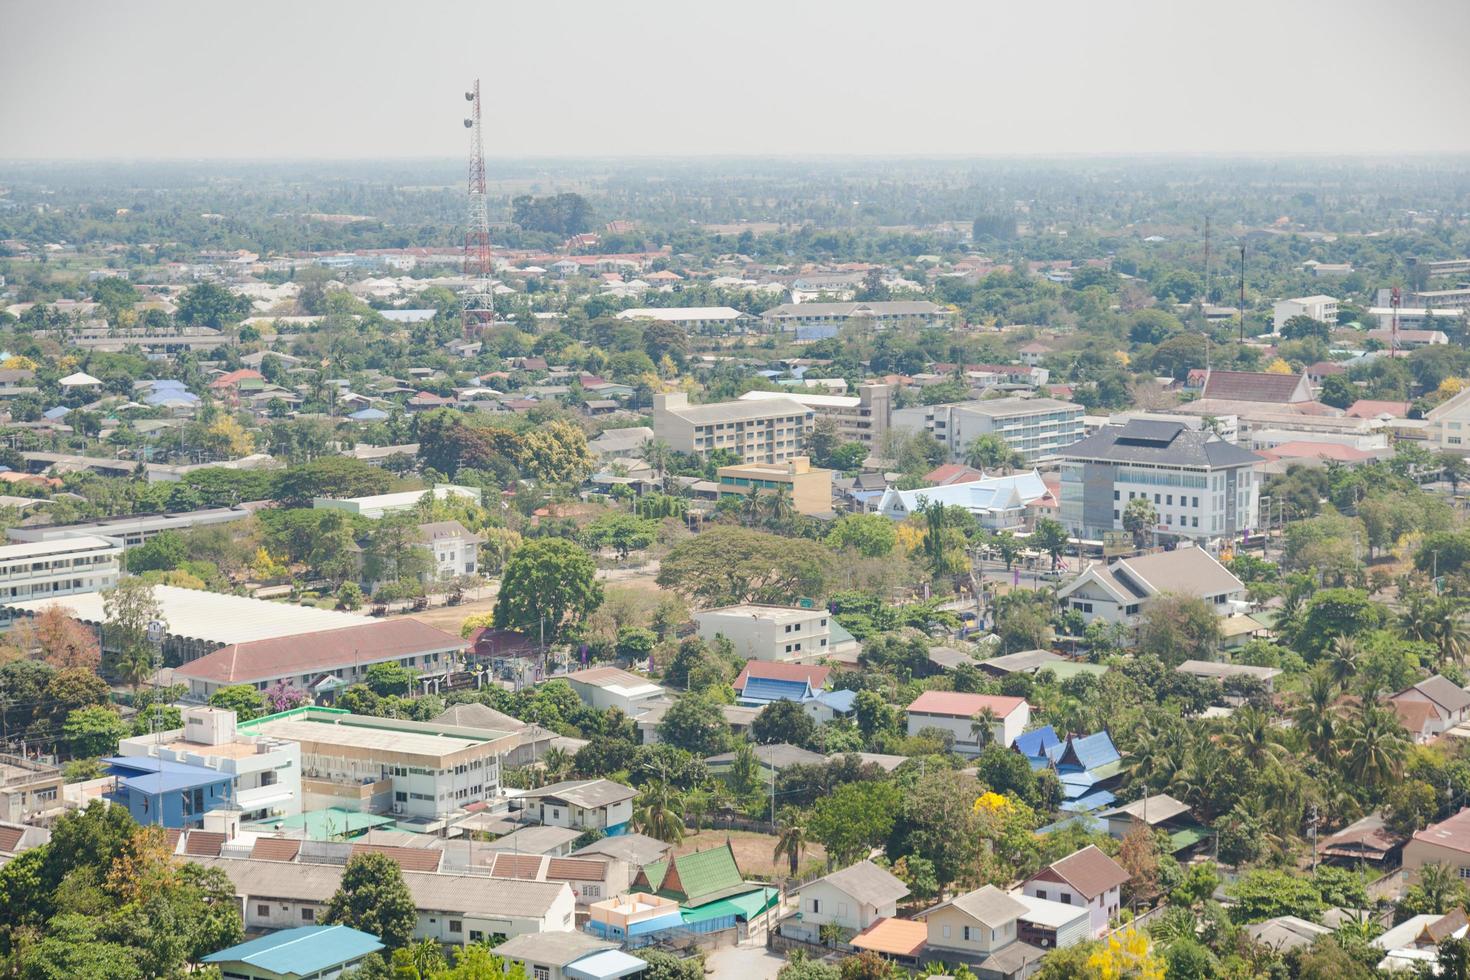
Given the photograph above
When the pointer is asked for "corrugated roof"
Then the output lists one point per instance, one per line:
(867, 883)
(275, 849)
(1255, 386)
(372, 642)
(407, 858)
(303, 951)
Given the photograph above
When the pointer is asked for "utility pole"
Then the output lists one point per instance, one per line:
(1314, 837)
(1207, 260)
(1242, 292)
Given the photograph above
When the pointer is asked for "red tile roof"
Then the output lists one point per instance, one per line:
(963, 705)
(1453, 832)
(575, 869)
(1300, 449)
(1252, 386)
(407, 858)
(275, 849)
(10, 838)
(204, 843)
(284, 656)
(943, 476)
(1371, 408)
(516, 866)
(811, 673)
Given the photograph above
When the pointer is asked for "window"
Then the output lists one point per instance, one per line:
(476, 936)
(264, 910)
(965, 933)
(816, 905)
(1465, 872)
(946, 931)
(1041, 894)
(308, 915)
(541, 972)
(456, 926)
(1066, 898)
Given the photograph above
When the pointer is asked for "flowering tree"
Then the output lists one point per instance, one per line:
(283, 697)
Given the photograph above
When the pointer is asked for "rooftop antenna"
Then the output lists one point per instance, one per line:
(478, 308)
(1395, 298)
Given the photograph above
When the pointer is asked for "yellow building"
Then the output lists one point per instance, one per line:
(810, 489)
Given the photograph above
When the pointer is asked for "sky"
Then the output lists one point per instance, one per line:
(323, 79)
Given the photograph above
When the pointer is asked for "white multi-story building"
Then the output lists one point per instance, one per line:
(1201, 487)
(696, 319)
(355, 762)
(43, 569)
(265, 772)
(863, 417)
(1322, 308)
(769, 632)
(810, 320)
(1034, 427)
(771, 431)
(455, 548)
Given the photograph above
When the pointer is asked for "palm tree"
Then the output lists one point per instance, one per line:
(556, 763)
(656, 453)
(1342, 661)
(982, 726)
(1376, 746)
(1252, 737)
(135, 665)
(660, 813)
(791, 837)
(1440, 886)
(1316, 717)
(1449, 632)
(778, 505)
(1417, 620)
(752, 507)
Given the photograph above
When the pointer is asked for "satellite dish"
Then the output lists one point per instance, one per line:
(469, 124)
(469, 96)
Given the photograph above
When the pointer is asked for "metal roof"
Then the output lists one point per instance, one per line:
(302, 951)
(1160, 443)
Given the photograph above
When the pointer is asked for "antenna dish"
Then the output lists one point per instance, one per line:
(469, 124)
(469, 96)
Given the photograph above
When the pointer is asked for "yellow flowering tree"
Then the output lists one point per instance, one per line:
(1278, 366)
(1126, 955)
(19, 362)
(1450, 387)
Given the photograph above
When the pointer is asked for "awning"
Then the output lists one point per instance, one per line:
(606, 965)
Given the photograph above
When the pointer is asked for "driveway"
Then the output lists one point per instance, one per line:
(743, 963)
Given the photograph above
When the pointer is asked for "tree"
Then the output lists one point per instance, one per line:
(983, 725)
(330, 476)
(93, 731)
(557, 453)
(854, 819)
(63, 641)
(1050, 537)
(991, 452)
(389, 678)
(128, 608)
(695, 723)
(727, 565)
(1338, 391)
(243, 699)
(547, 582)
(659, 812)
(373, 897)
(1176, 628)
(783, 721)
(208, 304)
(937, 822)
(1139, 519)
(566, 213)
(1127, 954)
(1303, 327)
(791, 837)
(1264, 893)
(622, 532)
(1376, 746)
(870, 535)
(161, 552)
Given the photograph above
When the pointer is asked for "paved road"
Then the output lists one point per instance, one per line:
(744, 963)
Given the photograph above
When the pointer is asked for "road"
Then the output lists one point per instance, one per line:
(743, 963)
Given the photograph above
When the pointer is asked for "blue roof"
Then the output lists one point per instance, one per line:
(60, 411)
(840, 701)
(606, 965)
(369, 415)
(1089, 823)
(302, 951)
(153, 776)
(161, 383)
(1085, 753)
(1033, 744)
(766, 689)
(170, 396)
(1095, 800)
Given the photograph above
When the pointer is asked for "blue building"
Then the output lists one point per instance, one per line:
(318, 952)
(169, 794)
(1086, 766)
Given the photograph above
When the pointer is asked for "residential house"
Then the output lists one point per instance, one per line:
(1216, 671)
(770, 633)
(583, 804)
(1050, 924)
(29, 790)
(1087, 879)
(1446, 842)
(954, 712)
(454, 548)
(1117, 593)
(167, 794)
(590, 879)
(814, 675)
(851, 900)
(611, 687)
(981, 929)
(569, 956)
(1085, 766)
(1203, 488)
(1412, 946)
(1365, 839)
(1157, 812)
(771, 759)
(1021, 662)
(1451, 702)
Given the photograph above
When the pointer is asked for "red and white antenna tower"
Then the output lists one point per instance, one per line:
(1395, 298)
(478, 309)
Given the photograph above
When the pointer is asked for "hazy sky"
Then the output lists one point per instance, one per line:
(322, 78)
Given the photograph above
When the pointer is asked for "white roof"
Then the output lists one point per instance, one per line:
(1405, 932)
(775, 614)
(210, 616)
(987, 494)
(58, 546)
(675, 314)
(80, 378)
(810, 401)
(1045, 912)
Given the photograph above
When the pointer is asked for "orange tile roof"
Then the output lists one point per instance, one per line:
(516, 866)
(407, 858)
(962, 705)
(283, 656)
(10, 838)
(204, 843)
(894, 936)
(275, 849)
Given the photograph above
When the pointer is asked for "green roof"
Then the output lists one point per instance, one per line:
(838, 633)
(746, 906)
(1187, 837)
(1072, 668)
(701, 874)
(331, 823)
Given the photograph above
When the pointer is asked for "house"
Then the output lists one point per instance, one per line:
(610, 687)
(535, 741)
(29, 790)
(813, 675)
(1021, 662)
(946, 473)
(1116, 593)
(770, 633)
(377, 505)
(164, 793)
(1286, 932)
(954, 712)
(902, 941)
(1086, 767)
(771, 759)
(1373, 408)
(696, 878)
(1451, 702)
(1033, 427)
(538, 840)
(583, 804)
(454, 548)
(1051, 924)
(1203, 488)
(826, 706)
(630, 848)
(851, 900)
(1157, 812)
(316, 952)
(1087, 879)
(1409, 339)
(1216, 671)
(1412, 946)
(569, 956)
(1446, 842)
(1366, 839)
(590, 879)
(981, 929)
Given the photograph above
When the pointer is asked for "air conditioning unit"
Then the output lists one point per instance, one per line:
(398, 808)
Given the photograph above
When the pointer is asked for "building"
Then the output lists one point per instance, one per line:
(1087, 879)
(1446, 842)
(29, 790)
(1117, 593)
(981, 928)
(315, 952)
(583, 804)
(1415, 317)
(453, 909)
(771, 633)
(708, 320)
(1214, 670)
(1256, 386)
(264, 773)
(36, 572)
(813, 321)
(321, 662)
(851, 899)
(999, 503)
(569, 956)
(167, 794)
(1321, 308)
(455, 549)
(808, 488)
(1051, 925)
(1409, 339)
(770, 760)
(387, 503)
(954, 713)
(610, 687)
(1033, 427)
(1202, 488)
(864, 417)
(535, 741)
(132, 531)
(1450, 702)
(381, 765)
(763, 431)
(590, 879)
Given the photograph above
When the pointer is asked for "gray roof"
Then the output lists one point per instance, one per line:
(987, 905)
(1001, 407)
(552, 948)
(738, 410)
(867, 883)
(472, 714)
(949, 658)
(1209, 668)
(1167, 443)
(1027, 661)
(883, 308)
(1444, 692)
(1160, 807)
(1286, 932)
(1184, 571)
(777, 756)
(585, 793)
(636, 849)
(535, 840)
